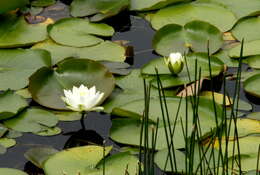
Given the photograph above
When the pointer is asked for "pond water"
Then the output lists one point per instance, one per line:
(139, 34)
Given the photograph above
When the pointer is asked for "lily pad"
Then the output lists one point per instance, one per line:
(117, 164)
(22, 33)
(78, 32)
(67, 115)
(104, 51)
(241, 8)
(183, 13)
(47, 85)
(245, 127)
(10, 171)
(185, 76)
(43, 3)
(39, 155)
(75, 160)
(194, 35)
(7, 143)
(6, 6)
(10, 104)
(247, 29)
(254, 116)
(132, 127)
(32, 120)
(17, 65)
(251, 48)
(146, 5)
(100, 9)
(253, 61)
(49, 131)
(251, 85)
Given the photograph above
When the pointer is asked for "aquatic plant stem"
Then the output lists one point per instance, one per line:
(83, 113)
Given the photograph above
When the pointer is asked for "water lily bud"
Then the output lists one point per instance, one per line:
(83, 99)
(175, 63)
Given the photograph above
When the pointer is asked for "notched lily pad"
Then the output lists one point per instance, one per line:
(22, 33)
(194, 35)
(10, 104)
(78, 32)
(181, 14)
(32, 120)
(47, 85)
(17, 65)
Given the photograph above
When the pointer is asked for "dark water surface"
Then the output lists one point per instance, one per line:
(139, 34)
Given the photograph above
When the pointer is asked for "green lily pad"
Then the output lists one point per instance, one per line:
(43, 3)
(146, 5)
(39, 155)
(49, 131)
(241, 8)
(24, 93)
(161, 157)
(6, 6)
(251, 48)
(183, 13)
(10, 171)
(118, 164)
(251, 85)
(253, 61)
(247, 29)
(100, 9)
(67, 115)
(223, 56)
(17, 65)
(194, 35)
(22, 33)
(104, 51)
(184, 77)
(78, 32)
(75, 160)
(10, 104)
(32, 120)
(47, 85)
(7, 143)
(245, 127)
(135, 109)
(132, 128)
(254, 116)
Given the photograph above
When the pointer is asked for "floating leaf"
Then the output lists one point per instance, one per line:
(184, 13)
(251, 48)
(6, 6)
(39, 155)
(184, 77)
(100, 9)
(151, 4)
(32, 120)
(253, 61)
(107, 50)
(251, 85)
(10, 171)
(10, 104)
(42, 3)
(241, 8)
(132, 128)
(67, 115)
(47, 85)
(24, 93)
(247, 29)
(22, 33)
(78, 32)
(49, 131)
(117, 164)
(75, 160)
(194, 35)
(7, 143)
(17, 65)
(254, 116)
(245, 127)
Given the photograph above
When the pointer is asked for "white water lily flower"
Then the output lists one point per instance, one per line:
(175, 62)
(83, 99)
